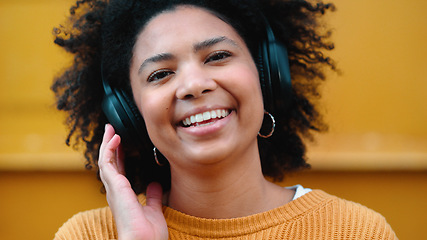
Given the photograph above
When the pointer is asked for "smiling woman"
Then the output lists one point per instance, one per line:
(197, 82)
(209, 69)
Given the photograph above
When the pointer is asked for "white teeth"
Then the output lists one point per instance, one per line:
(200, 117)
(206, 116)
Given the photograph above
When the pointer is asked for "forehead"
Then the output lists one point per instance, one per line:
(184, 23)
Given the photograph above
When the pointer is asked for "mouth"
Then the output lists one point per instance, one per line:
(205, 118)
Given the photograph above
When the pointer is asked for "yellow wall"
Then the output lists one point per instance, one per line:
(377, 107)
(375, 152)
(31, 131)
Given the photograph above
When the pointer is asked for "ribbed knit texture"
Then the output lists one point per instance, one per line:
(316, 215)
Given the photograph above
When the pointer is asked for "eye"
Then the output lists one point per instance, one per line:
(159, 75)
(218, 56)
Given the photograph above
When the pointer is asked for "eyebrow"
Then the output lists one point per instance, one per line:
(156, 58)
(196, 47)
(211, 42)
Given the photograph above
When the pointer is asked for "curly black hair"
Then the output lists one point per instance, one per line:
(103, 33)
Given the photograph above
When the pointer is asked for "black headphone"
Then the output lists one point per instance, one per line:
(275, 78)
(274, 74)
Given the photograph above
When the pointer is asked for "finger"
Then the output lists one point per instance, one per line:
(108, 168)
(109, 130)
(108, 134)
(154, 196)
(108, 154)
(113, 145)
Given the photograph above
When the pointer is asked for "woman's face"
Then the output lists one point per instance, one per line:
(197, 87)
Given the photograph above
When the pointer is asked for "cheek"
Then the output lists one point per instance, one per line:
(150, 109)
(154, 109)
(247, 89)
(246, 85)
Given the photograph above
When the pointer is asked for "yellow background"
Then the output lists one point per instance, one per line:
(375, 152)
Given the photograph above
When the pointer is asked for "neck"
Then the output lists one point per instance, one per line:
(228, 190)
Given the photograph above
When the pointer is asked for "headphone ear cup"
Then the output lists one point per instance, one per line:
(275, 74)
(265, 77)
(281, 84)
(123, 114)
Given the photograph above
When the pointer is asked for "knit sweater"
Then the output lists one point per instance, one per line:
(315, 215)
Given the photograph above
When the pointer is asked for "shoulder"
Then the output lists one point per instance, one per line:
(348, 219)
(92, 224)
(349, 210)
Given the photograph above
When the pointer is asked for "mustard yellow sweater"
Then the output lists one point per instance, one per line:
(315, 215)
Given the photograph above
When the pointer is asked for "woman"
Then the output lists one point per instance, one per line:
(203, 121)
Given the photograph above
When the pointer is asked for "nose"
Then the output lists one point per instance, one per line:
(195, 82)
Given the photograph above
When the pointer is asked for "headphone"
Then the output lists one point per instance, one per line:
(275, 79)
(274, 74)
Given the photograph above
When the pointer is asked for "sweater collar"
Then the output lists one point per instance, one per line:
(217, 228)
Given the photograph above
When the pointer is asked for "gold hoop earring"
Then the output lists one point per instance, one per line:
(272, 127)
(155, 157)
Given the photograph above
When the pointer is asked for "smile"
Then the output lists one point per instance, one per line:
(205, 118)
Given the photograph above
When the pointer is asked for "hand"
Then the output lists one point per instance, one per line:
(133, 220)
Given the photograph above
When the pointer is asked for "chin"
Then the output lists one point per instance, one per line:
(209, 155)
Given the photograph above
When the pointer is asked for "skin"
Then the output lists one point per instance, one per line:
(188, 61)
